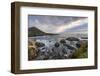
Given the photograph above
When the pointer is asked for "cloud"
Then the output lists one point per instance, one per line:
(56, 24)
(71, 25)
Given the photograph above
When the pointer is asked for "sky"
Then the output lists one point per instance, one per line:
(58, 24)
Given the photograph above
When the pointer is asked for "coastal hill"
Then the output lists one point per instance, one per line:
(33, 31)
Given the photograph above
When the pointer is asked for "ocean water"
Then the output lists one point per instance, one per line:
(50, 40)
(47, 40)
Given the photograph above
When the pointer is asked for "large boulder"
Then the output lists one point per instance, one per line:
(39, 44)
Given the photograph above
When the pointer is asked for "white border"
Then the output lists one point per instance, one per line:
(25, 64)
